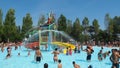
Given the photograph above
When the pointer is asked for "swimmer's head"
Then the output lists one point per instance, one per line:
(109, 52)
(89, 66)
(59, 61)
(45, 65)
(55, 49)
(73, 62)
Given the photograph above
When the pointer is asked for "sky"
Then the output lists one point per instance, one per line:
(71, 9)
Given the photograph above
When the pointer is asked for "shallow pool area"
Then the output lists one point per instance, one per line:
(24, 61)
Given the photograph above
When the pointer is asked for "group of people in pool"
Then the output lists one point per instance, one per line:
(114, 56)
(60, 65)
(38, 56)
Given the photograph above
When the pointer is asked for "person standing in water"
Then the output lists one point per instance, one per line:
(79, 48)
(115, 58)
(38, 55)
(28, 53)
(46, 47)
(55, 58)
(9, 52)
(70, 51)
(59, 64)
(67, 50)
(89, 51)
(100, 55)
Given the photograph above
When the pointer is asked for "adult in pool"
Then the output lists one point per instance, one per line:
(115, 58)
(89, 51)
(55, 57)
(38, 55)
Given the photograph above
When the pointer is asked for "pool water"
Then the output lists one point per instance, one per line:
(24, 61)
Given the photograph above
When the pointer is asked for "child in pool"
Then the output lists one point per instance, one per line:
(59, 64)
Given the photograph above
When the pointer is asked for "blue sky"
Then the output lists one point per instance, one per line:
(93, 9)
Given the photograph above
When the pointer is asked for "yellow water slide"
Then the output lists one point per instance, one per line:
(62, 44)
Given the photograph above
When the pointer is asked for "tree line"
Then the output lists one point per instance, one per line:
(80, 31)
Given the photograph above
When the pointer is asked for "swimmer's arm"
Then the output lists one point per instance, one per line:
(111, 59)
(118, 55)
(84, 50)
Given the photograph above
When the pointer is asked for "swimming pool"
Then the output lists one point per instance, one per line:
(24, 61)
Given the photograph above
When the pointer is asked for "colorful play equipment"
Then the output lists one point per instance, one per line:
(47, 34)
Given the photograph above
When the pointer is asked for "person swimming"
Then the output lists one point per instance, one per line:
(59, 64)
(106, 54)
(55, 58)
(90, 66)
(18, 54)
(8, 52)
(8, 55)
(45, 65)
(75, 65)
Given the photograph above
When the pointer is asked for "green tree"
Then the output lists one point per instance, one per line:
(1, 24)
(107, 21)
(27, 24)
(62, 25)
(110, 26)
(10, 25)
(102, 35)
(111, 29)
(116, 21)
(41, 20)
(76, 30)
(69, 27)
(18, 34)
(96, 28)
(85, 24)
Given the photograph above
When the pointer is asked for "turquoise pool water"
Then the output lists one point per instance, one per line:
(24, 61)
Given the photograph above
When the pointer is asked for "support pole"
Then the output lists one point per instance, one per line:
(39, 32)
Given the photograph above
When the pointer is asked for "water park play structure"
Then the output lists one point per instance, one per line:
(48, 35)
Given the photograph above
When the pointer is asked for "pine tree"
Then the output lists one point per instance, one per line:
(10, 28)
(62, 25)
(76, 30)
(1, 24)
(27, 24)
